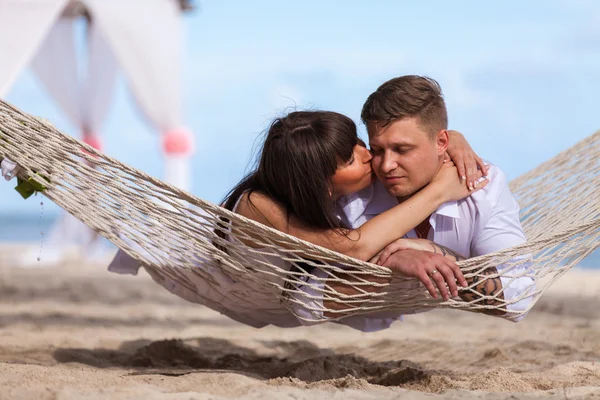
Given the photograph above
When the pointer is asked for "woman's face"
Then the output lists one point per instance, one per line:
(354, 175)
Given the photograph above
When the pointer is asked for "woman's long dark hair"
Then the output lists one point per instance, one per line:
(300, 155)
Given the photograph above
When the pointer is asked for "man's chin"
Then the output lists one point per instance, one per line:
(400, 191)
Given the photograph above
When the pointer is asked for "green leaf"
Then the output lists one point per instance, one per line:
(28, 187)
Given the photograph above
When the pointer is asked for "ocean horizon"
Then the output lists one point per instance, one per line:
(28, 228)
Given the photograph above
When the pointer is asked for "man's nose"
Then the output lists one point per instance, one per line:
(387, 164)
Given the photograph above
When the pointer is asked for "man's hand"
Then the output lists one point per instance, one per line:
(480, 285)
(428, 267)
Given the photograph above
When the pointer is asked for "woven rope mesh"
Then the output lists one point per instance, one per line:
(173, 234)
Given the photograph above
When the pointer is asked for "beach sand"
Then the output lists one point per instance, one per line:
(78, 331)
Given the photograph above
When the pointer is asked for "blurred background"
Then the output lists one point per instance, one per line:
(520, 81)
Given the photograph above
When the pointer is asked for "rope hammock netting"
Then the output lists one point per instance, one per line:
(173, 234)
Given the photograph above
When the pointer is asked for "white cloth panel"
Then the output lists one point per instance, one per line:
(55, 64)
(148, 47)
(85, 99)
(23, 26)
(100, 83)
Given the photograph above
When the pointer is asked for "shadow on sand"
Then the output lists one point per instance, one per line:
(301, 360)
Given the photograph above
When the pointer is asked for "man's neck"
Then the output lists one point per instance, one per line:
(402, 199)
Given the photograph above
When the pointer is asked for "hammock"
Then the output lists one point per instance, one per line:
(172, 233)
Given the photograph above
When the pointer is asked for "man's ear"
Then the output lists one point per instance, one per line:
(441, 141)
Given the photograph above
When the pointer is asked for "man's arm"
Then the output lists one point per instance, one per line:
(415, 263)
(410, 263)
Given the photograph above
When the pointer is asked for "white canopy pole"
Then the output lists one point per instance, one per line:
(23, 26)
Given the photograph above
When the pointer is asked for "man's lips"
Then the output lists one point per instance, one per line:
(394, 179)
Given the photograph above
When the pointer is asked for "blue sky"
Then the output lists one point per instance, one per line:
(521, 78)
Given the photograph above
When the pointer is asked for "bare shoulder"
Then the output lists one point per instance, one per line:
(261, 208)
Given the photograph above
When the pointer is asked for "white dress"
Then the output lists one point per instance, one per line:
(255, 300)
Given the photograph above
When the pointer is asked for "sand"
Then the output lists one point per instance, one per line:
(78, 331)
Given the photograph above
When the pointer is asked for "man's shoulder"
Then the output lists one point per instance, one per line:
(496, 175)
(497, 186)
(492, 198)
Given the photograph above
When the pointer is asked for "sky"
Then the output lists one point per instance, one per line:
(520, 78)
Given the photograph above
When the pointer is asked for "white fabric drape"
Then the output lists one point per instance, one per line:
(23, 26)
(146, 37)
(148, 46)
(55, 64)
(99, 86)
(85, 98)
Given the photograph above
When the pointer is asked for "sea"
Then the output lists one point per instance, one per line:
(23, 228)
(36, 230)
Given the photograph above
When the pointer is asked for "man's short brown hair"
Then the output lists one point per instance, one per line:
(405, 97)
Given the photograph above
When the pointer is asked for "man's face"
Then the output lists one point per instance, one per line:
(405, 157)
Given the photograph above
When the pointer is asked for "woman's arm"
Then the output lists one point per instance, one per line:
(374, 235)
(362, 243)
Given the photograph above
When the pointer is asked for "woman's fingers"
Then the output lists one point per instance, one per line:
(388, 251)
(480, 184)
(375, 259)
(482, 166)
(471, 167)
(460, 166)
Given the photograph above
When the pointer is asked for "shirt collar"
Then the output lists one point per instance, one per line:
(379, 200)
(448, 209)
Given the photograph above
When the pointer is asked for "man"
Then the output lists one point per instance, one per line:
(407, 121)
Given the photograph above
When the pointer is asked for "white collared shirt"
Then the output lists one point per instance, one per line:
(483, 223)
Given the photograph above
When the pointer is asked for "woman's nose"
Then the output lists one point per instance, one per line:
(366, 155)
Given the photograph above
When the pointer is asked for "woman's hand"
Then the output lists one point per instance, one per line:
(450, 186)
(470, 166)
(403, 244)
